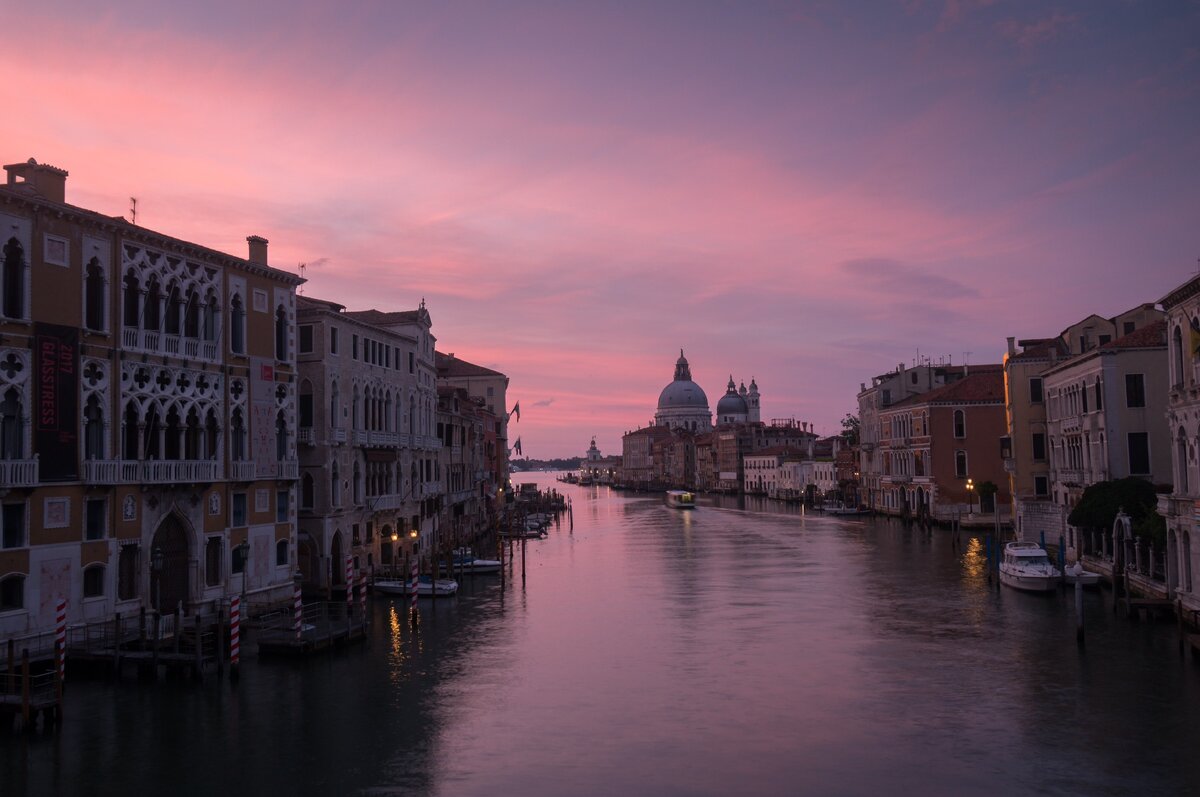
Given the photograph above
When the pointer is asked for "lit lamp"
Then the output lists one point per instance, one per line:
(971, 493)
(156, 564)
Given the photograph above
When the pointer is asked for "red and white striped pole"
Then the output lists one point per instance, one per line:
(235, 630)
(60, 637)
(412, 587)
(298, 610)
(349, 585)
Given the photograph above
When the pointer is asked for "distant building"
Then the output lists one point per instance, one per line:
(599, 468)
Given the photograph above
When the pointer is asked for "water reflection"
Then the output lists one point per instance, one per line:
(745, 647)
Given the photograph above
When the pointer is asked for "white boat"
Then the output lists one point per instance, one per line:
(1025, 566)
(681, 499)
(842, 509)
(426, 587)
(1076, 573)
(465, 562)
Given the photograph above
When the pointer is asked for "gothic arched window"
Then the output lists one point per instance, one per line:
(93, 295)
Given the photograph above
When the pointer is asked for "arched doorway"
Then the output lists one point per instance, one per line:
(309, 559)
(169, 585)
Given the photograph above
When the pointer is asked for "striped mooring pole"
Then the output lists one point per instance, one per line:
(349, 584)
(412, 586)
(297, 611)
(362, 593)
(235, 630)
(60, 638)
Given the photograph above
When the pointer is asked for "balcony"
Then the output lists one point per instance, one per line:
(403, 440)
(180, 471)
(156, 342)
(433, 488)
(1070, 476)
(383, 439)
(360, 437)
(19, 472)
(337, 435)
(383, 503)
(1069, 425)
(243, 471)
(289, 469)
(101, 471)
(306, 436)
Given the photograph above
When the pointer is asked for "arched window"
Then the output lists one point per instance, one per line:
(152, 315)
(306, 404)
(281, 437)
(93, 429)
(174, 447)
(237, 436)
(1177, 357)
(12, 592)
(356, 484)
(281, 352)
(191, 315)
(212, 435)
(12, 433)
(133, 297)
(306, 491)
(412, 414)
(174, 311)
(93, 295)
(212, 319)
(151, 433)
(237, 325)
(960, 464)
(335, 418)
(93, 581)
(12, 283)
(960, 423)
(192, 436)
(354, 409)
(335, 485)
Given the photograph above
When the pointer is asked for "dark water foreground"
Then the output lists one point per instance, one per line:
(653, 651)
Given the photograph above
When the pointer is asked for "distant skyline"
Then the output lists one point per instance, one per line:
(802, 193)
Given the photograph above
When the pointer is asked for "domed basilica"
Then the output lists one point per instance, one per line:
(683, 404)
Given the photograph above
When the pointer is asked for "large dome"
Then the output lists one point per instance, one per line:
(731, 404)
(682, 393)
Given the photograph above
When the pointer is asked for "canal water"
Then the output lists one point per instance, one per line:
(743, 648)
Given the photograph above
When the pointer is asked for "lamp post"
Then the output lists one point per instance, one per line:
(395, 537)
(243, 552)
(971, 493)
(156, 565)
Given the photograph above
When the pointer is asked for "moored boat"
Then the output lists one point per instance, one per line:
(1025, 566)
(842, 509)
(466, 562)
(426, 587)
(681, 499)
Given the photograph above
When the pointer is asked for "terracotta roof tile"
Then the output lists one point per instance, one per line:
(984, 386)
(1150, 336)
(450, 366)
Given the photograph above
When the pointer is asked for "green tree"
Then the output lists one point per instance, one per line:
(850, 428)
(1098, 507)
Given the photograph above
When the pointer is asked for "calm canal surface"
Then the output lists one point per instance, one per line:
(652, 651)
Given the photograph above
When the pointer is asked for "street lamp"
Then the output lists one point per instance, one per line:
(156, 565)
(971, 493)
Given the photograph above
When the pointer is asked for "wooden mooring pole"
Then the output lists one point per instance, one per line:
(1079, 614)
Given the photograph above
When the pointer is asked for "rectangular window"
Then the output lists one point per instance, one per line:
(238, 505)
(1035, 390)
(306, 338)
(127, 573)
(354, 347)
(281, 506)
(1135, 390)
(1139, 453)
(93, 582)
(95, 519)
(333, 340)
(1099, 396)
(1039, 446)
(1127, 328)
(13, 521)
(411, 363)
(1105, 339)
(1041, 486)
(212, 561)
(387, 356)
(1083, 399)
(281, 553)
(491, 391)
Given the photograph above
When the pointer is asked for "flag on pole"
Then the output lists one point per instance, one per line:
(517, 446)
(516, 410)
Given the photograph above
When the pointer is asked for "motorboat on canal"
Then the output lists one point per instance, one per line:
(466, 562)
(1025, 566)
(841, 509)
(681, 499)
(427, 587)
(1076, 574)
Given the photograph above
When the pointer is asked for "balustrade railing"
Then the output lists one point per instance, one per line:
(243, 471)
(338, 435)
(19, 472)
(101, 471)
(306, 436)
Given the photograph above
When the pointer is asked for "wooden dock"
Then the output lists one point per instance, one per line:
(324, 625)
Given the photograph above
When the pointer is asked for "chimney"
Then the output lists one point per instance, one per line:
(47, 181)
(258, 249)
(1012, 346)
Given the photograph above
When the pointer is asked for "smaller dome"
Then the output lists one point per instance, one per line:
(731, 405)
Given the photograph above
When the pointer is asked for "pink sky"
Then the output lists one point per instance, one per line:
(801, 193)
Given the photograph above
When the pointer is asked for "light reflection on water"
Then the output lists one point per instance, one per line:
(733, 649)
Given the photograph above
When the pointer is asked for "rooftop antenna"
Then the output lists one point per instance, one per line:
(966, 358)
(133, 209)
(300, 288)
